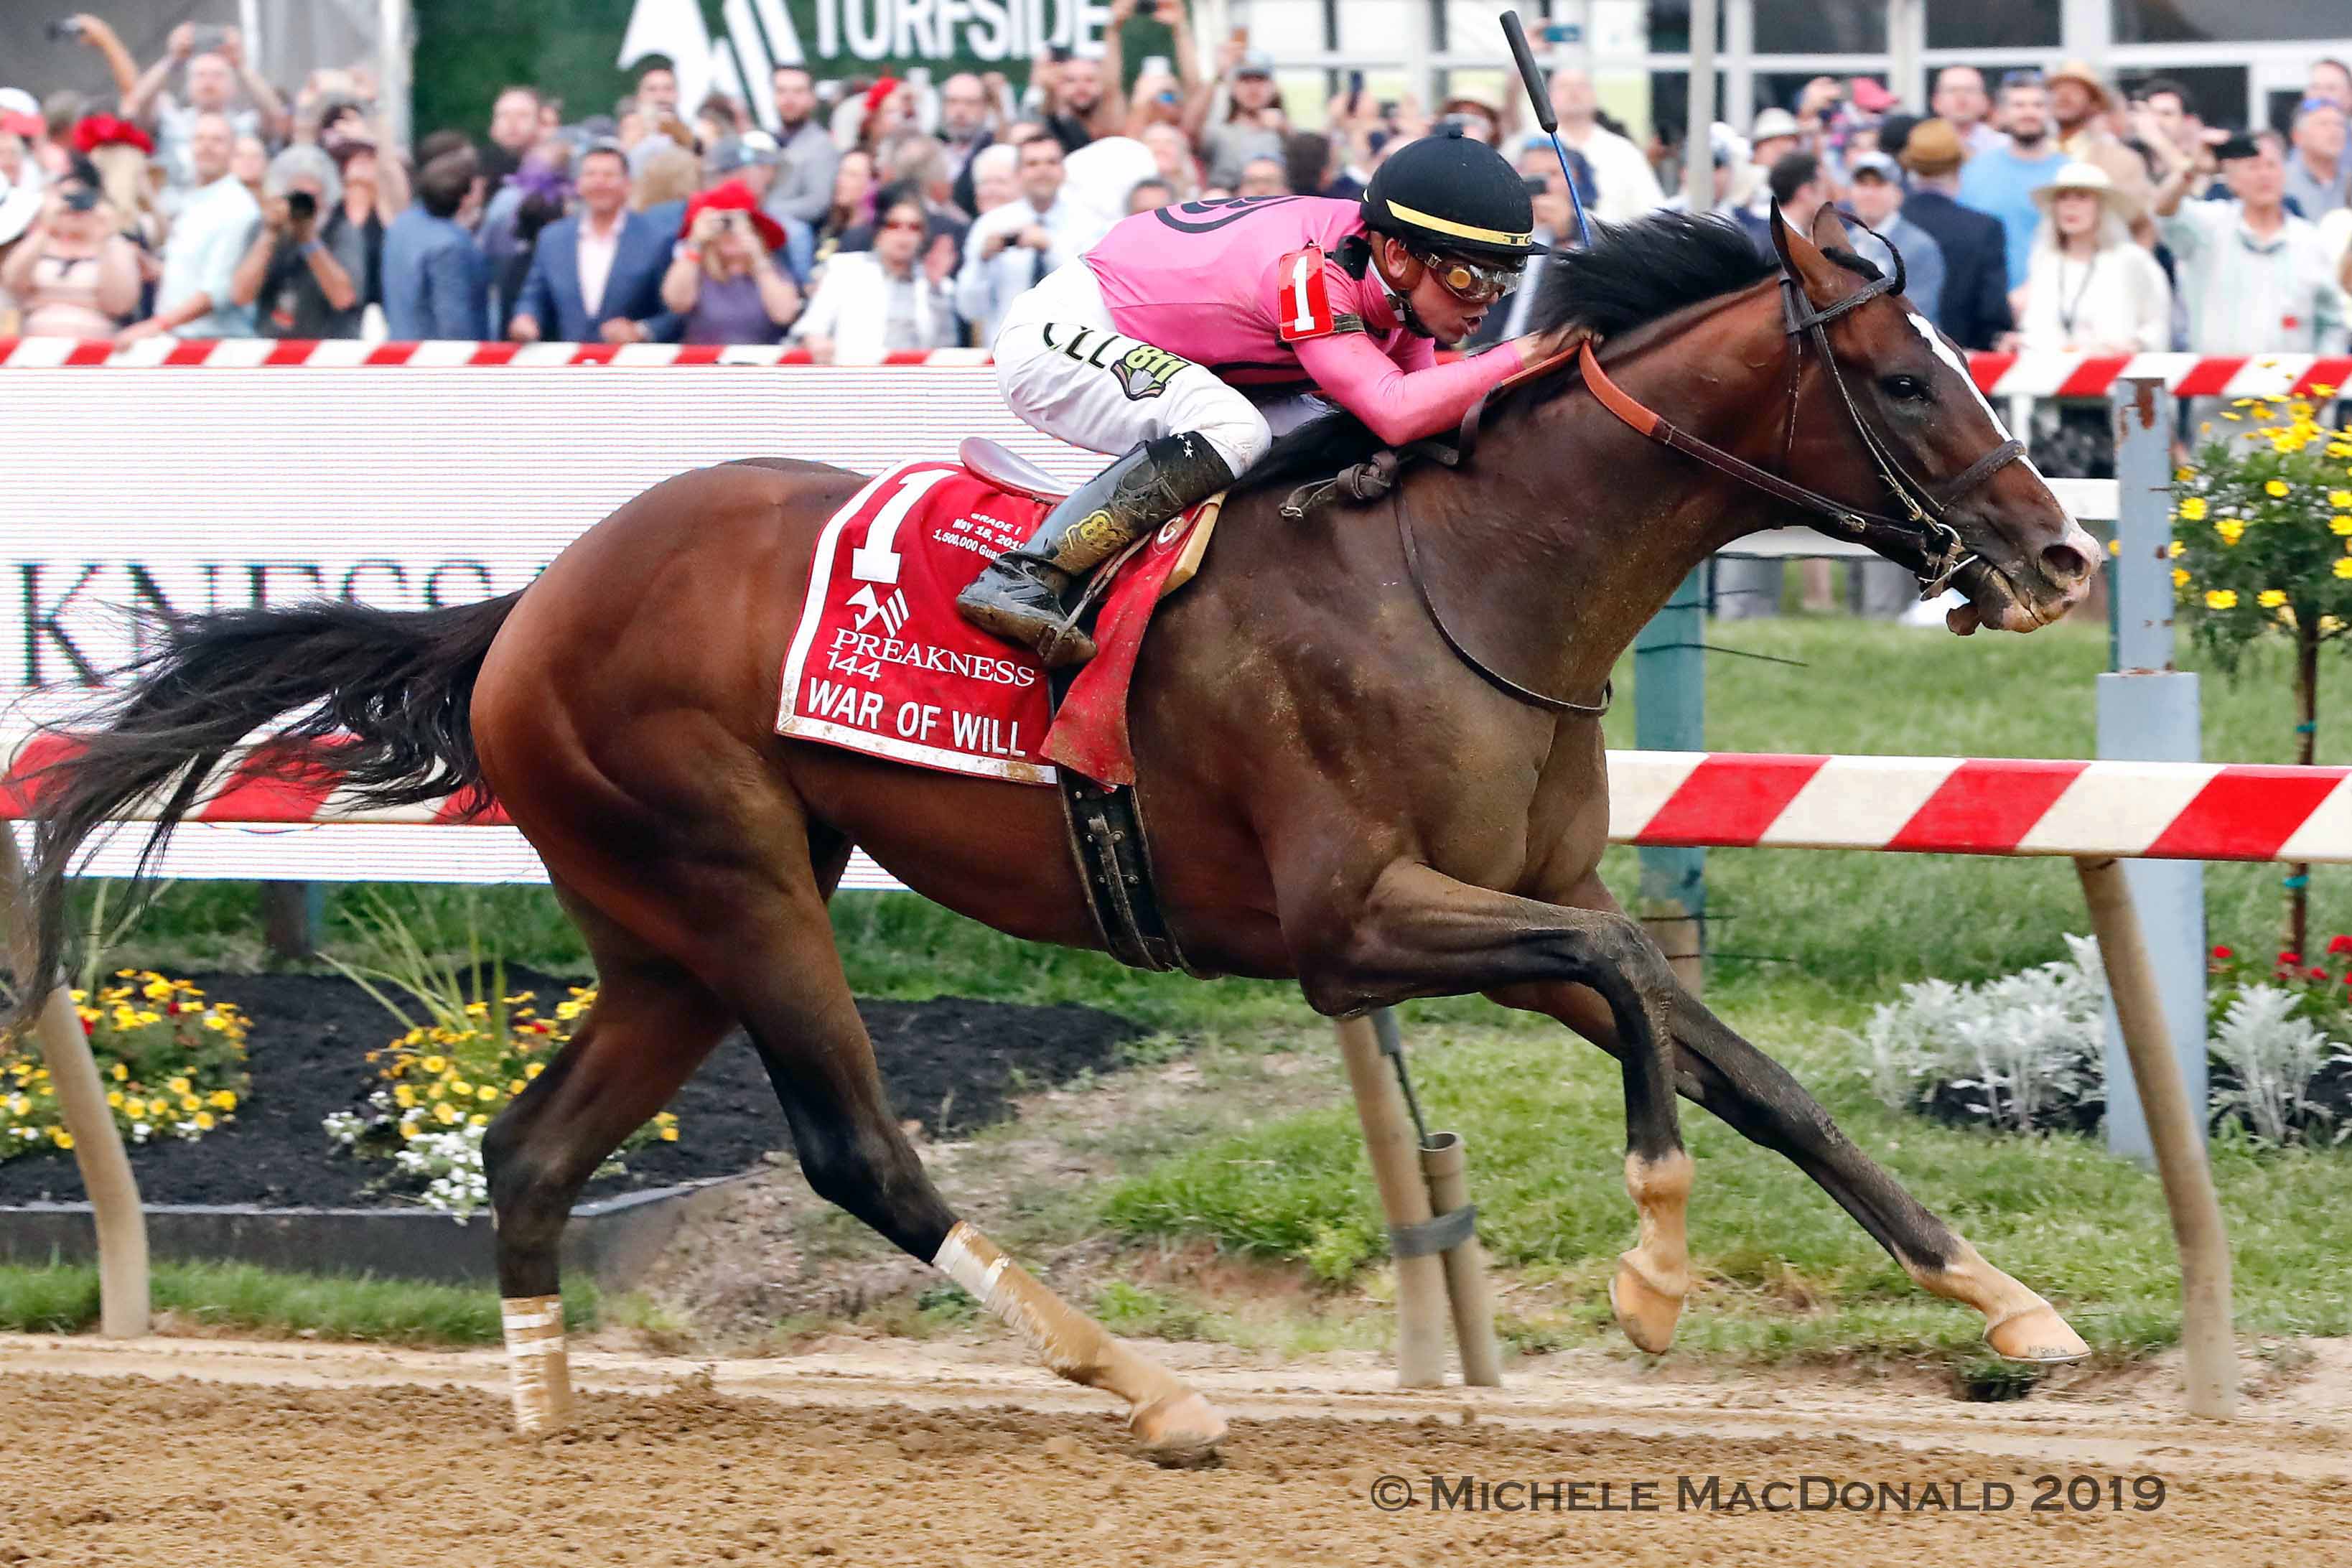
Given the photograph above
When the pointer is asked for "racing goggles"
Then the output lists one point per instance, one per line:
(1472, 282)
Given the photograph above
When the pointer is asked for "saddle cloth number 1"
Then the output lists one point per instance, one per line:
(1305, 297)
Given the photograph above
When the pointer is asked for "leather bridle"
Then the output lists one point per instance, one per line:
(1921, 539)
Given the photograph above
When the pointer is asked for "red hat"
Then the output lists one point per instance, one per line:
(28, 126)
(879, 91)
(92, 131)
(733, 196)
(1870, 95)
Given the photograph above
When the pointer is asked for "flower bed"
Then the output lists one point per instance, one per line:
(171, 1060)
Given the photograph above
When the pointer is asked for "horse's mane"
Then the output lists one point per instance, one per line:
(1633, 274)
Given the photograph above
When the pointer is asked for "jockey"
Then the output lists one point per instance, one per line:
(1183, 339)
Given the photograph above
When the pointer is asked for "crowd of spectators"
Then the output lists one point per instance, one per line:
(2043, 212)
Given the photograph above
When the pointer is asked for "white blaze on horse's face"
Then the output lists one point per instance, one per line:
(1951, 356)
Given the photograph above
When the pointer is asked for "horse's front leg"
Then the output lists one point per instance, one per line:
(1720, 1070)
(1418, 933)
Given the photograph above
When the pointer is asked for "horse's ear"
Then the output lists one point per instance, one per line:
(1803, 259)
(1829, 229)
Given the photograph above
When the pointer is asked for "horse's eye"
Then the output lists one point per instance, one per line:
(1906, 388)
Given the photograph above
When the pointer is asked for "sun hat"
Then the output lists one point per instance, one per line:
(2081, 72)
(1774, 121)
(2082, 176)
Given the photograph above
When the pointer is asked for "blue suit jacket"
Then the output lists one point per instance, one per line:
(1974, 307)
(437, 284)
(551, 294)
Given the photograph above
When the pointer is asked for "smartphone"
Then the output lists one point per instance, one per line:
(66, 27)
(1157, 65)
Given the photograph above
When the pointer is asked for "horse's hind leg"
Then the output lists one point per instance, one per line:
(744, 910)
(651, 1026)
(1764, 1101)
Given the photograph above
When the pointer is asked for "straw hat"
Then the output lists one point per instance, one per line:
(2081, 72)
(2082, 176)
(1933, 149)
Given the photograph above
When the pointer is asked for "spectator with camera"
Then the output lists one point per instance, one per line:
(208, 237)
(890, 299)
(72, 274)
(597, 275)
(299, 286)
(93, 32)
(724, 281)
(1011, 249)
(1247, 108)
(216, 64)
(435, 281)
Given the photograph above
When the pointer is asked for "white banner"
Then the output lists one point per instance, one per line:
(203, 488)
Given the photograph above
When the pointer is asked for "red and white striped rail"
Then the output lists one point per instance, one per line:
(2050, 375)
(1948, 805)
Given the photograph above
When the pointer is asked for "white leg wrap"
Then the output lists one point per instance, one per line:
(539, 1369)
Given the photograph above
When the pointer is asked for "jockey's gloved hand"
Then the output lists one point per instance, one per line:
(1537, 347)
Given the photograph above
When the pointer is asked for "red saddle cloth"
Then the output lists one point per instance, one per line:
(882, 664)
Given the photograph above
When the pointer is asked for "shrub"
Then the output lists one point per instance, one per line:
(2274, 1058)
(2022, 1053)
(171, 1060)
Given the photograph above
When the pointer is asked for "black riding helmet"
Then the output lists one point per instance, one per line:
(1448, 194)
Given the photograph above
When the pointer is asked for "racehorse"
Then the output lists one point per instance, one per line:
(1367, 739)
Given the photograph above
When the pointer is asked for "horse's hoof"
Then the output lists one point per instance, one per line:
(2036, 1334)
(1646, 1313)
(1179, 1431)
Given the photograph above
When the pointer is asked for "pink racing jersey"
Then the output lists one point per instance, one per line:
(1231, 285)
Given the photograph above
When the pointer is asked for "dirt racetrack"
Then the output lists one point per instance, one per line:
(177, 1451)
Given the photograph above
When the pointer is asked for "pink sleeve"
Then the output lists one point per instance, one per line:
(1398, 404)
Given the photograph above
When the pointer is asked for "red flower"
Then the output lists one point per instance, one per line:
(2223, 952)
(96, 130)
(2290, 959)
(2340, 943)
(2318, 974)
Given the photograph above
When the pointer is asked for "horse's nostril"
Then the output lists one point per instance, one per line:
(2063, 564)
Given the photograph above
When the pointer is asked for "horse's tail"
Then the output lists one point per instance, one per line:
(380, 698)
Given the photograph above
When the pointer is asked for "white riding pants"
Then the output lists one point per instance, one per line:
(1062, 366)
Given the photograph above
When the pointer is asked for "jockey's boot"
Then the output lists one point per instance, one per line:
(1021, 595)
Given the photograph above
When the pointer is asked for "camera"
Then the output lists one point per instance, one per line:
(65, 27)
(302, 206)
(79, 198)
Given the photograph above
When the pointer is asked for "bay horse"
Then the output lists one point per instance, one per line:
(1366, 736)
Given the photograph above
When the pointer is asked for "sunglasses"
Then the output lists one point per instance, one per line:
(1472, 282)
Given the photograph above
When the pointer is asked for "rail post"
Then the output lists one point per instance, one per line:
(2149, 711)
(1390, 1144)
(122, 1288)
(2177, 1132)
(1670, 715)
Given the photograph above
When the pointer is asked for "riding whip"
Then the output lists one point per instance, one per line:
(1517, 33)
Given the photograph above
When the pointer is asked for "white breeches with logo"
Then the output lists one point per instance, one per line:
(1062, 366)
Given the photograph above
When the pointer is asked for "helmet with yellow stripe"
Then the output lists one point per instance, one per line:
(1449, 194)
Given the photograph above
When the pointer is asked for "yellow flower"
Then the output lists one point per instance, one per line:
(114, 1097)
(190, 1102)
(2227, 599)
(2176, 549)
(224, 1099)
(2339, 449)
(2271, 598)
(2192, 509)
(157, 990)
(514, 1086)
(460, 1088)
(177, 1086)
(444, 1114)
(532, 1070)
(2277, 486)
(121, 1073)
(2114, 547)
(204, 1120)
(2230, 529)
(487, 1093)
(64, 1139)
(2342, 498)
(2343, 567)
(159, 1108)
(434, 1064)
(20, 1105)
(2183, 475)
(669, 1134)
(403, 1096)
(478, 1120)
